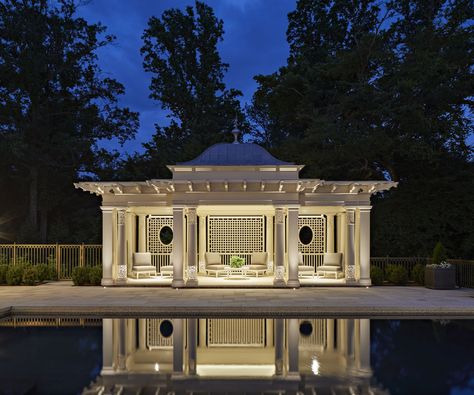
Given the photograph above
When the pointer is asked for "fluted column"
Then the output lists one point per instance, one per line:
(121, 248)
(364, 246)
(279, 280)
(192, 343)
(178, 248)
(141, 232)
(350, 247)
(192, 244)
(330, 232)
(107, 246)
(293, 280)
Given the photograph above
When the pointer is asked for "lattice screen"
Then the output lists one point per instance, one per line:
(240, 332)
(318, 335)
(317, 224)
(154, 339)
(236, 234)
(155, 224)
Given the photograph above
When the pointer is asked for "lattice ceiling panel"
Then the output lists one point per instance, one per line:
(317, 224)
(155, 224)
(236, 234)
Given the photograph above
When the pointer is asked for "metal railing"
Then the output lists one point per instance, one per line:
(464, 268)
(64, 257)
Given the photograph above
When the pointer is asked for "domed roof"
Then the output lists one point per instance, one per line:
(231, 154)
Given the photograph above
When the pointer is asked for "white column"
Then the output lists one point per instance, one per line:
(343, 243)
(363, 354)
(122, 344)
(107, 246)
(269, 241)
(121, 247)
(330, 334)
(279, 264)
(293, 280)
(202, 238)
(202, 332)
(142, 334)
(192, 342)
(178, 247)
(330, 232)
(107, 345)
(141, 232)
(178, 346)
(192, 244)
(130, 236)
(364, 246)
(279, 324)
(350, 247)
(293, 344)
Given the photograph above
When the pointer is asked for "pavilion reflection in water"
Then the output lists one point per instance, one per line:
(216, 355)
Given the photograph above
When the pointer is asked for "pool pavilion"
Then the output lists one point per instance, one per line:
(236, 199)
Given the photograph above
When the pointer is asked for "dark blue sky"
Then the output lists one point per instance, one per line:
(254, 43)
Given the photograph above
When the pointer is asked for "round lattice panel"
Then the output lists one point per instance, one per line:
(317, 224)
(236, 234)
(155, 224)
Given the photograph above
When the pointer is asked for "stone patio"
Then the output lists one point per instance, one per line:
(62, 298)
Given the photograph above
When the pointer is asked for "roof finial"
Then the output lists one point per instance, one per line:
(236, 132)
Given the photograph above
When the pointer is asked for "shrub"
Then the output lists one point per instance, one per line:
(376, 275)
(3, 273)
(397, 275)
(4, 259)
(439, 254)
(21, 261)
(80, 275)
(95, 275)
(43, 272)
(53, 273)
(30, 275)
(418, 274)
(14, 275)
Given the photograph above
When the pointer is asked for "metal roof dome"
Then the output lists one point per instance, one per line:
(228, 154)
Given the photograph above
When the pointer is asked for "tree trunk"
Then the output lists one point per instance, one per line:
(33, 214)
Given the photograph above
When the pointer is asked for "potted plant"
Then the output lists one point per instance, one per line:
(440, 274)
(237, 262)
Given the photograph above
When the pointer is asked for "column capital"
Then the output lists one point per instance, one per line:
(365, 208)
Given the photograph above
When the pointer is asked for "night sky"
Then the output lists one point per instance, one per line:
(254, 43)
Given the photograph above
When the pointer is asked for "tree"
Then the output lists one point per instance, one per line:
(381, 90)
(56, 105)
(180, 50)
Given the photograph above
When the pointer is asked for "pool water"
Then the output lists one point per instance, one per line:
(253, 356)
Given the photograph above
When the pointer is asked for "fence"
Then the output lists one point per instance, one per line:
(64, 257)
(464, 268)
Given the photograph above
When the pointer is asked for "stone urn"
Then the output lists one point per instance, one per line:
(437, 277)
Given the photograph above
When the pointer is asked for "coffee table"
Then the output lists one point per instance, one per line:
(236, 272)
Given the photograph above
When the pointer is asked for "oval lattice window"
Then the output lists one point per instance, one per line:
(306, 235)
(166, 235)
(166, 328)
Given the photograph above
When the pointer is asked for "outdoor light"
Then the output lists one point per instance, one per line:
(157, 367)
(315, 366)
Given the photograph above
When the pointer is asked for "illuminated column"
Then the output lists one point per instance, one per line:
(330, 232)
(342, 225)
(131, 335)
(178, 247)
(130, 220)
(270, 241)
(192, 340)
(107, 346)
(279, 324)
(121, 248)
(178, 346)
(202, 332)
(141, 232)
(192, 253)
(293, 343)
(122, 344)
(364, 246)
(363, 347)
(350, 247)
(279, 280)
(202, 239)
(107, 246)
(330, 334)
(142, 334)
(293, 280)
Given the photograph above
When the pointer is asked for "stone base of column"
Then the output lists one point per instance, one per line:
(191, 283)
(177, 283)
(365, 281)
(106, 282)
(351, 281)
(279, 282)
(293, 283)
(120, 281)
